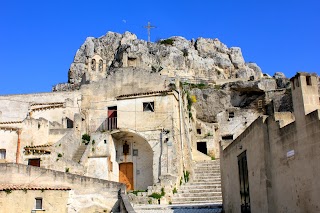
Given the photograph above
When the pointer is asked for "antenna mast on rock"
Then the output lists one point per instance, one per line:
(149, 27)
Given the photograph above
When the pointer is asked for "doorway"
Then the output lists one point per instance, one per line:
(202, 147)
(112, 118)
(126, 174)
(244, 183)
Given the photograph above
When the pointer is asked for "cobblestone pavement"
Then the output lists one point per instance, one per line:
(178, 209)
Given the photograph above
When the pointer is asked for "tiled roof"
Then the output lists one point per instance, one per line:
(10, 187)
(52, 103)
(38, 146)
(11, 122)
(143, 93)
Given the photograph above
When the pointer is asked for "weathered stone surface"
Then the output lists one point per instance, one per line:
(200, 58)
(210, 102)
(282, 81)
(258, 86)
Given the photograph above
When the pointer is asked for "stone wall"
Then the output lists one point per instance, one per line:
(282, 165)
(24, 200)
(88, 194)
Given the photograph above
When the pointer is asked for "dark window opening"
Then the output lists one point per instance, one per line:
(199, 131)
(202, 147)
(38, 203)
(227, 137)
(244, 183)
(231, 114)
(3, 154)
(148, 107)
(125, 148)
(308, 79)
(69, 123)
(34, 162)
(292, 83)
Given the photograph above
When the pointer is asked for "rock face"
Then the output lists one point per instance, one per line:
(282, 81)
(200, 59)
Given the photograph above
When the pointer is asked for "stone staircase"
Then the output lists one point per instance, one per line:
(204, 187)
(79, 153)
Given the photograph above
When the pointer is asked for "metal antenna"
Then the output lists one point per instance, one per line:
(149, 27)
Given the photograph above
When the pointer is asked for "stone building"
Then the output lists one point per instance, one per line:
(132, 112)
(273, 165)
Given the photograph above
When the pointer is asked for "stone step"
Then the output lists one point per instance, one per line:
(196, 199)
(207, 164)
(206, 168)
(200, 187)
(202, 172)
(213, 178)
(207, 184)
(199, 194)
(196, 190)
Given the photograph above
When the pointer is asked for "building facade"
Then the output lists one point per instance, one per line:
(272, 166)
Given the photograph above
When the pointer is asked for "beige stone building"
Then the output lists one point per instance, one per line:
(273, 165)
(130, 127)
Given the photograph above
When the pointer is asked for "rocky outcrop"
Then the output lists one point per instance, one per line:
(196, 59)
(282, 81)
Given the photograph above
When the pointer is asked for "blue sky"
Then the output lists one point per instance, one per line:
(38, 39)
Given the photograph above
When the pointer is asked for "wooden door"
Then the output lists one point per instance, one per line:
(126, 175)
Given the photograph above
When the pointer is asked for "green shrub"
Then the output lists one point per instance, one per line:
(155, 195)
(93, 142)
(174, 191)
(85, 138)
(186, 176)
(59, 155)
(168, 41)
(67, 170)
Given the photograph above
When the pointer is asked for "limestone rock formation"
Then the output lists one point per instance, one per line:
(175, 57)
(282, 81)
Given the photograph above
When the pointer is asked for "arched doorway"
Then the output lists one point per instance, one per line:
(135, 158)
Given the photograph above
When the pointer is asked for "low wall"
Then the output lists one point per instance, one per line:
(87, 193)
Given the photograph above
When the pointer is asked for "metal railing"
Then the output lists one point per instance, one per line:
(108, 124)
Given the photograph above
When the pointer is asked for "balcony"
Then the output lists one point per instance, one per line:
(108, 124)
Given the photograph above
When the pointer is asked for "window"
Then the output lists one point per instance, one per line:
(148, 107)
(199, 131)
(227, 137)
(34, 162)
(308, 79)
(2, 154)
(231, 114)
(38, 203)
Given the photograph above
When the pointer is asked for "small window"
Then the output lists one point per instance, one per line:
(38, 203)
(292, 83)
(308, 79)
(148, 107)
(125, 148)
(227, 137)
(231, 114)
(199, 131)
(2, 154)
